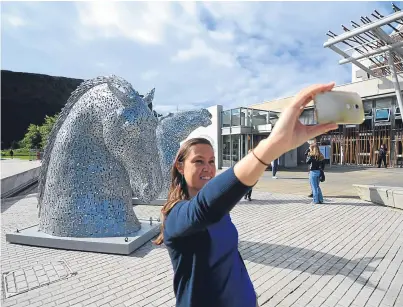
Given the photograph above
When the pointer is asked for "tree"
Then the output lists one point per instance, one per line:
(14, 145)
(32, 138)
(46, 128)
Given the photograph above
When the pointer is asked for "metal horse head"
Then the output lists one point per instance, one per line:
(100, 150)
(171, 130)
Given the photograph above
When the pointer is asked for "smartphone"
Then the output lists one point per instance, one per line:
(339, 107)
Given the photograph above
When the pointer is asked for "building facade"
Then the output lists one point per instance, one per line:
(359, 144)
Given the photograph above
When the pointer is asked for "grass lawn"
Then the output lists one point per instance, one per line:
(18, 157)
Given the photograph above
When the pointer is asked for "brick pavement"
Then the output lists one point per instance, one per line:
(339, 180)
(343, 253)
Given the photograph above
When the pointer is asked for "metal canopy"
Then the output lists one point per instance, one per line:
(375, 46)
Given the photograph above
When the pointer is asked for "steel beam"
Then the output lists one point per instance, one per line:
(377, 51)
(358, 64)
(364, 28)
(386, 38)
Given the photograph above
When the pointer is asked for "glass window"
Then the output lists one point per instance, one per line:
(368, 107)
(244, 145)
(274, 116)
(236, 118)
(383, 103)
(246, 120)
(308, 117)
(226, 151)
(260, 117)
(236, 148)
(226, 118)
(382, 115)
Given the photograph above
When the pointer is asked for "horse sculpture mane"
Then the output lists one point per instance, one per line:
(75, 96)
(101, 149)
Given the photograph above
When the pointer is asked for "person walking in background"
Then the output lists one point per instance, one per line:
(382, 156)
(317, 164)
(12, 154)
(196, 226)
(306, 155)
(274, 168)
(248, 195)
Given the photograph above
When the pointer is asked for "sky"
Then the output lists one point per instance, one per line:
(196, 54)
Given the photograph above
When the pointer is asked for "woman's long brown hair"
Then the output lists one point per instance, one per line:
(315, 152)
(177, 190)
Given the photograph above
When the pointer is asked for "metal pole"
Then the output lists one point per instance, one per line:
(395, 81)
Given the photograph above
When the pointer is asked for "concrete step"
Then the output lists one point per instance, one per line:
(381, 195)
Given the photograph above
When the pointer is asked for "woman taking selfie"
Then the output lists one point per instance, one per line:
(316, 162)
(196, 226)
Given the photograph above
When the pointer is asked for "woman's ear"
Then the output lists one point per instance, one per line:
(179, 167)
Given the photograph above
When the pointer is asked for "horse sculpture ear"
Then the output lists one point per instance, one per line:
(161, 118)
(149, 97)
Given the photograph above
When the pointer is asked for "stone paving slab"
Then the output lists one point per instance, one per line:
(346, 252)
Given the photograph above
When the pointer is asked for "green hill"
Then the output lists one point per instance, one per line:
(26, 98)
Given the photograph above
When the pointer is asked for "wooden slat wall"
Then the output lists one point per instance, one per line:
(360, 146)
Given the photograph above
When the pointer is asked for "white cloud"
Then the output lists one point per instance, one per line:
(13, 20)
(194, 53)
(199, 49)
(221, 35)
(144, 24)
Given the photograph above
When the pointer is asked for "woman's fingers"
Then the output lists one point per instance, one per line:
(316, 130)
(306, 95)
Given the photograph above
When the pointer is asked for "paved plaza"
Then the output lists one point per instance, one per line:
(339, 180)
(346, 252)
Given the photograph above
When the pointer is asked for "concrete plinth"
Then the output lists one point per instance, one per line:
(381, 195)
(17, 175)
(155, 202)
(110, 245)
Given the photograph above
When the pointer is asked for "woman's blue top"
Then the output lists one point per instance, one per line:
(202, 243)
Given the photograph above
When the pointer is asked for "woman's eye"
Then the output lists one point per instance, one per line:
(212, 162)
(199, 161)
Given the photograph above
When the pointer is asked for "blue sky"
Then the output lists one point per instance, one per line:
(196, 54)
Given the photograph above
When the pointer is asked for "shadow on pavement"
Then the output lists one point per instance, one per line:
(269, 202)
(307, 260)
(343, 196)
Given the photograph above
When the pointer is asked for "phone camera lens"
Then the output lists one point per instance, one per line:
(357, 106)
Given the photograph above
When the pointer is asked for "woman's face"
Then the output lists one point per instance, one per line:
(198, 168)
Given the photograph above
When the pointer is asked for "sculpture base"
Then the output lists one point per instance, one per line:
(108, 245)
(155, 202)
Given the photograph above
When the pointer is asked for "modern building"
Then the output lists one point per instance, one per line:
(235, 131)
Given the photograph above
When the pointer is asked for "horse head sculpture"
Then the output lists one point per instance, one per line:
(101, 150)
(171, 130)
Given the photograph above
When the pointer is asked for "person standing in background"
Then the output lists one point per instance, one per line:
(306, 153)
(274, 168)
(316, 162)
(382, 156)
(248, 195)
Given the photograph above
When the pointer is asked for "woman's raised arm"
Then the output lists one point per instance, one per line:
(288, 133)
